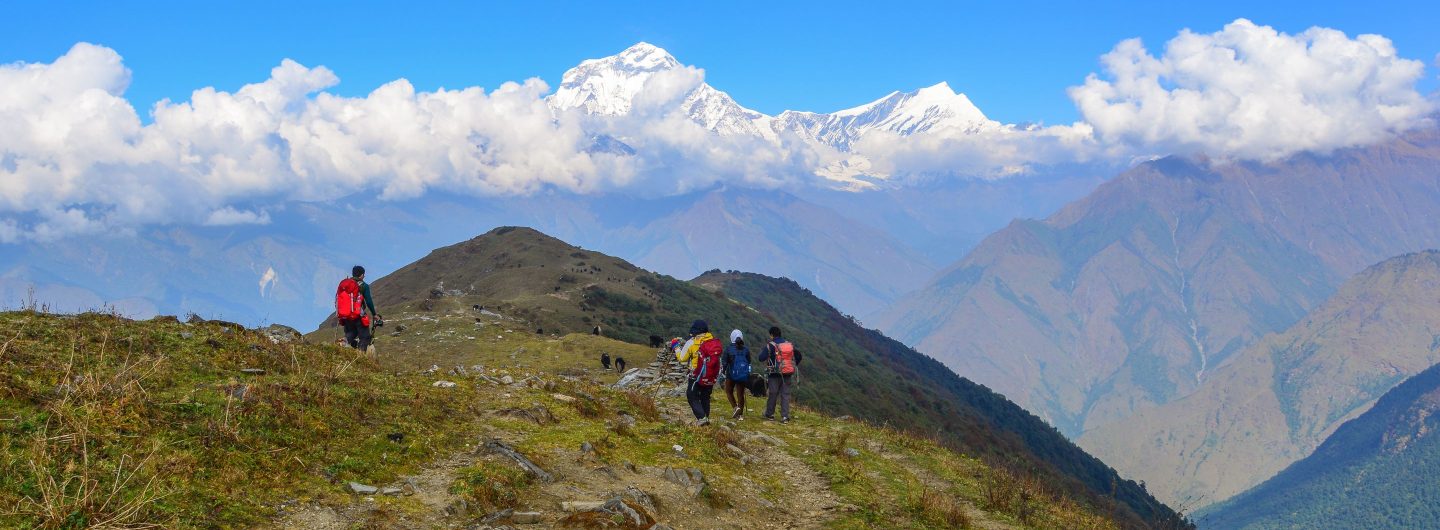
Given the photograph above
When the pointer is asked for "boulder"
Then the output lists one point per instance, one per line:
(361, 489)
(280, 334)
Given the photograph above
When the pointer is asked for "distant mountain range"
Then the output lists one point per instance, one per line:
(1275, 401)
(860, 248)
(1376, 472)
(612, 85)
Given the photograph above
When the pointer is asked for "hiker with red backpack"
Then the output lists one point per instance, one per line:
(702, 352)
(782, 364)
(352, 299)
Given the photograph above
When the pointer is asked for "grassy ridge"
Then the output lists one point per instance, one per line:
(128, 424)
(110, 422)
(551, 285)
(971, 417)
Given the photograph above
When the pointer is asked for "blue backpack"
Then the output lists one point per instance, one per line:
(739, 363)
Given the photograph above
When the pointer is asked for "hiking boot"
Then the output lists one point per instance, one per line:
(784, 420)
(704, 421)
(768, 418)
(737, 413)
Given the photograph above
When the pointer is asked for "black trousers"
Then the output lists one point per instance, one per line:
(356, 335)
(699, 398)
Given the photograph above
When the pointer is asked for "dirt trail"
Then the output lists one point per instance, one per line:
(423, 505)
(804, 500)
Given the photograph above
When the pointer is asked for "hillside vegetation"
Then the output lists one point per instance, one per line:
(545, 285)
(1376, 471)
(107, 422)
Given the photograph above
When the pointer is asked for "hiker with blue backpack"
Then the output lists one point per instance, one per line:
(702, 353)
(782, 367)
(735, 366)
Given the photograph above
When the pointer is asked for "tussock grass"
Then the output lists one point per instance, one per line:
(494, 486)
(937, 507)
(643, 404)
(101, 414)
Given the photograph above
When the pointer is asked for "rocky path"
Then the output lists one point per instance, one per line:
(771, 489)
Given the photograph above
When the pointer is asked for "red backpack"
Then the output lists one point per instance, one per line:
(707, 369)
(349, 303)
(784, 361)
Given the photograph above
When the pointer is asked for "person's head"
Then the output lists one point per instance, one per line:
(357, 272)
(737, 338)
(699, 327)
(774, 332)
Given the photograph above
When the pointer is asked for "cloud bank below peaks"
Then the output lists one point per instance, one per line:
(1251, 92)
(76, 158)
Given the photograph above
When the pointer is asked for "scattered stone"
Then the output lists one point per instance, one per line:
(459, 371)
(400, 328)
(614, 513)
(361, 489)
(187, 335)
(764, 438)
(638, 496)
(525, 517)
(252, 371)
(432, 369)
(581, 506)
(459, 508)
(631, 466)
(443, 384)
(691, 479)
(605, 470)
(843, 418)
(499, 447)
(764, 503)
(852, 452)
(239, 392)
(563, 397)
(586, 447)
(280, 334)
(391, 491)
(627, 420)
(538, 414)
(507, 380)
(496, 516)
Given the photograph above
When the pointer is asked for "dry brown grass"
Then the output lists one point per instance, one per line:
(938, 507)
(643, 404)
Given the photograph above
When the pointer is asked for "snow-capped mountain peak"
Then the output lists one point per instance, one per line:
(646, 56)
(934, 108)
(608, 86)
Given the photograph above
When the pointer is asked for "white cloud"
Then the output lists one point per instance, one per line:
(1249, 91)
(76, 158)
(229, 216)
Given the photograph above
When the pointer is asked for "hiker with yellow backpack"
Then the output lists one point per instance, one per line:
(782, 366)
(702, 353)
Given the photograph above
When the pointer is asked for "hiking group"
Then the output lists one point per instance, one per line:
(729, 365)
(709, 361)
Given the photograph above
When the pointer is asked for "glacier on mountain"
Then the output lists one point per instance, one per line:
(612, 87)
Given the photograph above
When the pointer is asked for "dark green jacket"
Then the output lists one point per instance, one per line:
(365, 291)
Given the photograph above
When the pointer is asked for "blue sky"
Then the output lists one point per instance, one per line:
(1014, 59)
